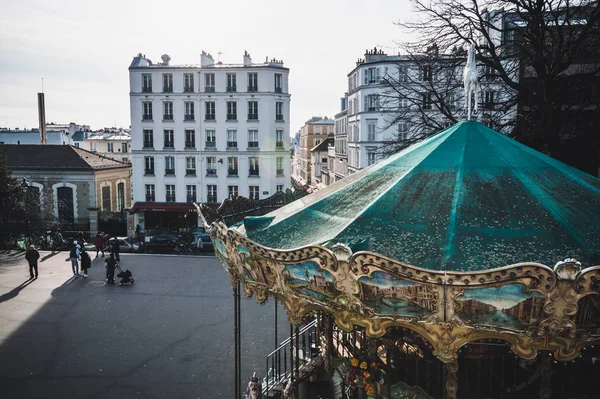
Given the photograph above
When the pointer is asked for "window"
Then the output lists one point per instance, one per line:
(211, 140)
(279, 163)
(125, 160)
(232, 166)
(146, 83)
(150, 193)
(231, 110)
(426, 73)
(403, 103)
(253, 82)
(190, 191)
(121, 196)
(209, 82)
(403, 73)
(277, 83)
(169, 165)
(170, 193)
(167, 83)
(279, 138)
(488, 100)
(190, 166)
(402, 131)
(280, 187)
(148, 139)
(188, 82)
(124, 147)
(211, 198)
(253, 138)
(371, 126)
(372, 102)
(106, 199)
(253, 166)
(254, 192)
(427, 102)
(279, 111)
(252, 110)
(168, 110)
(490, 73)
(211, 166)
(190, 138)
(371, 158)
(231, 83)
(189, 111)
(169, 142)
(451, 100)
(146, 110)
(110, 147)
(210, 111)
(231, 138)
(233, 191)
(372, 76)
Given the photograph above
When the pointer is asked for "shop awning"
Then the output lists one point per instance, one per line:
(162, 207)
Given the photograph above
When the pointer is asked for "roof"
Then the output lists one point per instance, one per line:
(36, 156)
(323, 145)
(321, 122)
(78, 136)
(468, 198)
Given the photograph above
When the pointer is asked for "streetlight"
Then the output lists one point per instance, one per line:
(26, 186)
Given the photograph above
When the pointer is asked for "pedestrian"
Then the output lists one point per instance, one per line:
(115, 248)
(110, 268)
(74, 258)
(80, 239)
(99, 243)
(32, 257)
(86, 261)
(137, 231)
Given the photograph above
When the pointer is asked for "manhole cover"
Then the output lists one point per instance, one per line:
(96, 283)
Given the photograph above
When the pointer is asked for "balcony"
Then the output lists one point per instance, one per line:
(190, 172)
(253, 172)
(149, 172)
(209, 117)
(168, 144)
(279, 145)
(168, 89)
(279, 172)
(210, 144)
(372, 109)
(279, 118)
(169, 172)
(231, 144)
(188, 89)
(252, 89)
(278, 90)
(211, 172)
(147, 89)
(231, 117)
(170, 198)
(188, 117)
(147, 117)
(252, 117)
(231, 89)
(190, 199)
(253, 144)
(211, 199)
(148, 144)
(167, 117)
(150, 198)
(232, 172)
(190, 145)
(209, 89)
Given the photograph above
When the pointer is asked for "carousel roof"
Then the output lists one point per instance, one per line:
(468, 198)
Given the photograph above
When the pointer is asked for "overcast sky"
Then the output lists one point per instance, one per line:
(83, 48)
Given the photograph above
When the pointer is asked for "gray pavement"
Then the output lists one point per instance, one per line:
(170, 335)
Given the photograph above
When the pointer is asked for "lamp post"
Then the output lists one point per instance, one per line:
(25, 186)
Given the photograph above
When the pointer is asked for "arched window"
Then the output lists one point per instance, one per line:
(64, 197)
(121, 196)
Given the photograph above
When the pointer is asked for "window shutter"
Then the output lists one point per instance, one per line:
(378, 77)
(366, 75)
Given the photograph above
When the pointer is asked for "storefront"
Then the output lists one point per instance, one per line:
(169, 216)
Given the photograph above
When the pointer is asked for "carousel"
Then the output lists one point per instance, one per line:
(464, 266)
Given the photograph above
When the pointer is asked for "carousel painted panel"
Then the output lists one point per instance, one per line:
(221, 252)
(509, 306)
(308, 279)
(387, 295)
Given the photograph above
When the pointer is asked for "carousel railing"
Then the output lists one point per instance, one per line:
(290, 360)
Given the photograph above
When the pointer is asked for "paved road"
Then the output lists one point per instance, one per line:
(168, 336)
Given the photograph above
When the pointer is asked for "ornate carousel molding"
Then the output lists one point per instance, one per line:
(441, 306)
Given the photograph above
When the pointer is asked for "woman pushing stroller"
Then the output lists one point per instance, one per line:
(111, 264)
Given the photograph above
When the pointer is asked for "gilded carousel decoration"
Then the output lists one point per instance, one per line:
(465, 237)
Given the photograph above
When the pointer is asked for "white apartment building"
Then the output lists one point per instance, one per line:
(202, 133)
(33, 137)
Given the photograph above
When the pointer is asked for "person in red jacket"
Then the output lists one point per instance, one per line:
(99, 243)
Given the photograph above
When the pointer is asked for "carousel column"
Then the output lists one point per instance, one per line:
(546, 377)
(237, 340)
(451, 379)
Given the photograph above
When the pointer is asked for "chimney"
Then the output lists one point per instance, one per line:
(42, 117)
(247, 59)
(206, 60)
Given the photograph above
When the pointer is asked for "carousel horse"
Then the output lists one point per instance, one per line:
(470, 80)
(254, 389)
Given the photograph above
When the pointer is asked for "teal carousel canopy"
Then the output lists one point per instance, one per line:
(466, 199)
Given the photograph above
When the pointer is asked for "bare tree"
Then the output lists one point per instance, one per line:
(545, 53)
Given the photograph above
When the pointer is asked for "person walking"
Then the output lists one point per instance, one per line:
(115, 249)
(74, 258)
(86, 261)
(32, 257)
(99, 243)
(111, 263)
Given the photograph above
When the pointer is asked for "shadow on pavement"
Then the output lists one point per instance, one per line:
(15, 291)
(50, 255)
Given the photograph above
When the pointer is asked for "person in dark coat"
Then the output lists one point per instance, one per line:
(32, 257)
(86, 261)
(99, 243)
(115, 248)
(111, 263)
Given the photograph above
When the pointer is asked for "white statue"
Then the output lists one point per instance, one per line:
(254, 389)
(471, 80)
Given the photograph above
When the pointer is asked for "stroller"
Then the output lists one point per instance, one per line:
(125, 276)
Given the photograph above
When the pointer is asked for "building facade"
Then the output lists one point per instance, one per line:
(319, 162)
(314, 132)
(112, 144)
(202, 133)
(33, 137)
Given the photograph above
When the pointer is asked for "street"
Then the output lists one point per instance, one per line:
(170, 335)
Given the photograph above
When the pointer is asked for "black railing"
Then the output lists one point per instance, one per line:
(209, 89)
(279, 172)
(190, 144)
(279, 117)
(148, 144)
(149, 171)
(253, 172)
(231, 117)
(168, 144)
(188, 89)
(232, 172)
(188, 117)
(232, 144)
(209, 117)
(150, 198)
(169, 171)
(167, 117)
(210, 144)
(170, 198)
(252, 117)
(147, 89)
(252, 89)
(231, 89)
(279, 144)
(211, 172)
(190, 172)
(253, 144)
(191, 198)
(147, 117)
(168, 89)
(278, 90)
(211, 199)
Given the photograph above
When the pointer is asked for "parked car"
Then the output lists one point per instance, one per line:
(125, 245)
(202, 240)
(160, 244)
